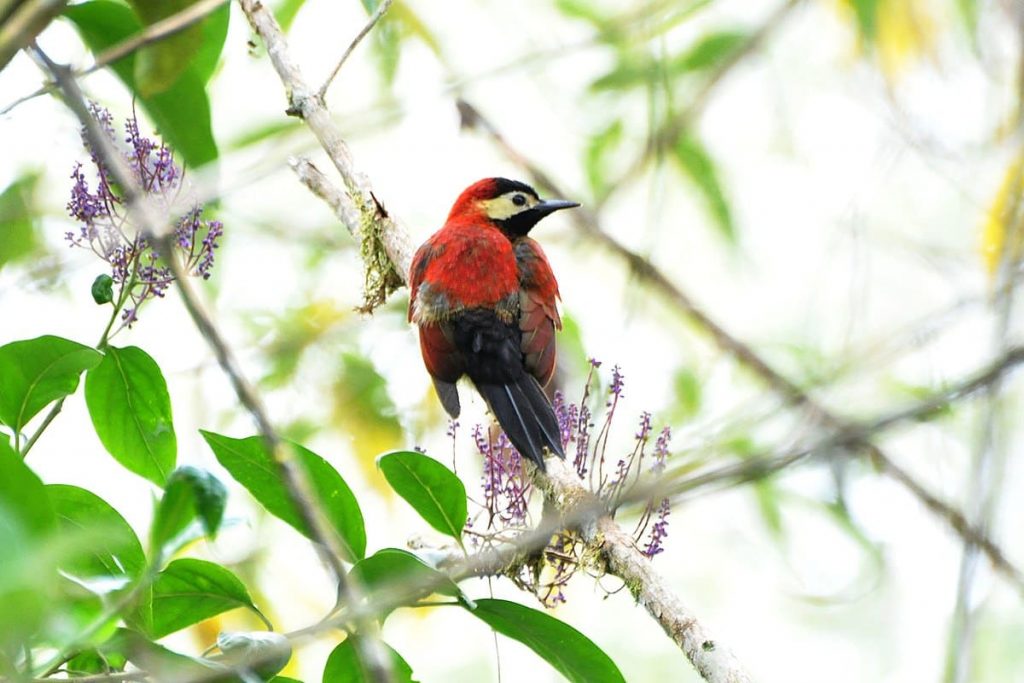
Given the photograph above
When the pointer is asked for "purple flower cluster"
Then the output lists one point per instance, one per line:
(507, 490)
(106, 226)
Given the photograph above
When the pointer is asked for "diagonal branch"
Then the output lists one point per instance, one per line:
(588, 223)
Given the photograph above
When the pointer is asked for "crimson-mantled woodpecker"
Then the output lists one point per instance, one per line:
(484, 298)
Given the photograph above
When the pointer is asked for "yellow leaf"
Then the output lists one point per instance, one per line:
(1001, 219)
(906, 33)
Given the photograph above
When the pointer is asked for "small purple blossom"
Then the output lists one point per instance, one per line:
(106, 226)
(659, 530)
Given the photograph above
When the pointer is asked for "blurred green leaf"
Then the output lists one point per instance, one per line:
(182, 112)
(867, 18)
(688, 394)
(263, 132)
(253, 467)
(131, 412)
(160, 662)
(695, 162)
(22, 495)
(430, 488)
(35, 372)
(345, 666)
(189, 591)
(385, 40)
(27, 519)
(968, 10)
(286, 12)
(596, 156)
(95, 662)
(19, 222)
(570, 652)
(391, 569)
(190, 494)
(364, 409)
(710, 51)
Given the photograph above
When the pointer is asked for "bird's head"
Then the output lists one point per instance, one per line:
(513, 207)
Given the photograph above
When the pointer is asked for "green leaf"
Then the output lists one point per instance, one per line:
(113, 550)
(19, 220)
(253, 467)
(385, 40)
(695, 162)
(345, 666)
(364, 409)
(190, 493)
(710, 51)
(160, 662)
(182, 112)
(37, 371)
(131, 412)
(189, 591)
(391, 569)
(429, 487)
(571, 653)
(102, 289)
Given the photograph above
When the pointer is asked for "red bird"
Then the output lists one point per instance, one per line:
(484, 298)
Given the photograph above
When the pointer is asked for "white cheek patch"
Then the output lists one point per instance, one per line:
(503, 207)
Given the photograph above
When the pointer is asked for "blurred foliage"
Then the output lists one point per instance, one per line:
(1002, 233)
(19, 220)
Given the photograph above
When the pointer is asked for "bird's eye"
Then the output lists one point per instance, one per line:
(518, 199)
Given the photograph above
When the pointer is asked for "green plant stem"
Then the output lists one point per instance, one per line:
(100, 345)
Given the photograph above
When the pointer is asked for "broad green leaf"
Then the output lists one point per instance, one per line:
(37, 371)
(429, 487)
(345, 666)
(253, 467)
(190, 494)
(695, 162)
(189, 591)
(113, 550)
(131, 412)
(570, 652)
(262, 652)
(19, 220)
(182, 112)
(392, 569)
(710, 51)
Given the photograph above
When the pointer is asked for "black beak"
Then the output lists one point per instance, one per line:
(521, 223)
(551, 205)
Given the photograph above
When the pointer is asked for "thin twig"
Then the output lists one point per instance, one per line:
(377, 15)
(588, 223)
(151, 34)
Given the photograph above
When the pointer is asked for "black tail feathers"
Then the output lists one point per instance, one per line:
(527, 417)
